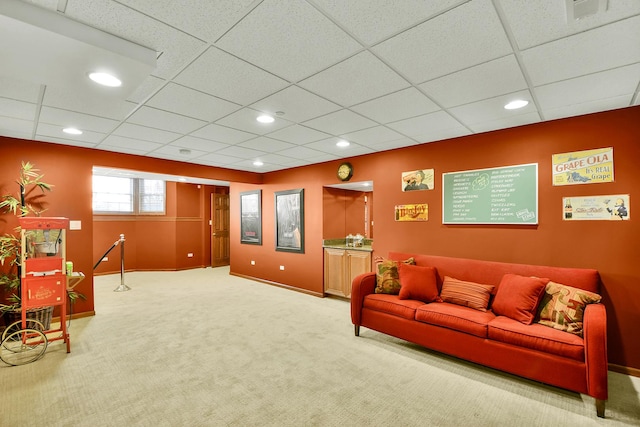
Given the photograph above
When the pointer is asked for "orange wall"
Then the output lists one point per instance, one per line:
(343, 212)
(164, 241)
(608, 246)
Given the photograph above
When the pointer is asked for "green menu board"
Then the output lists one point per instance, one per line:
(504, 195)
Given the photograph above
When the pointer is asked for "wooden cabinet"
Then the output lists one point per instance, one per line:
(340, 268)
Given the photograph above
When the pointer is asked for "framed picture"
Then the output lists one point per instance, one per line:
(290, 220)
(251, 217)
(417, 180)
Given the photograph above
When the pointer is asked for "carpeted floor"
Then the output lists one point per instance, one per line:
(203, 348)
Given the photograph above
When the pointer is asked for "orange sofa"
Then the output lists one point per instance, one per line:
(576, 362)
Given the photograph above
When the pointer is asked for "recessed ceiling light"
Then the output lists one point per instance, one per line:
(258, 163)
(342, 143)
(72, 131)
(514, 105)
(105, 79)
(265, 119)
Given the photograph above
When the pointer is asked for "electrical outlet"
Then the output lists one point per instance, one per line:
(190, 255)
(105, 259)
(282, 267)
(253, 262)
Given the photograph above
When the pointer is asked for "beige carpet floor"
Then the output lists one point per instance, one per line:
(203, 348)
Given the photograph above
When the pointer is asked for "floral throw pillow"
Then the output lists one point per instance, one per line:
(387, 277)
(562, 307)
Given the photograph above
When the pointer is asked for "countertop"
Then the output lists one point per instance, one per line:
(342, 244)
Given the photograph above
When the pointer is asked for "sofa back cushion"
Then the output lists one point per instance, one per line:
(387, 277)
(417, 283)
(518, 297)
(562, 307)
(468, 294)
(491, 272)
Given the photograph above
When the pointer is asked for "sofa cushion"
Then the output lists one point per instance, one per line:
(417, 282)
(518, 297)
(562, 307)
(468, 294)
(457, 317)
(387, 279)
(536, 337)
(391, 304)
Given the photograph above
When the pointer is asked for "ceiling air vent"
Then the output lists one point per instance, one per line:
(578, 9)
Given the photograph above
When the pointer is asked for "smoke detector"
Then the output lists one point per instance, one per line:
(578, 9)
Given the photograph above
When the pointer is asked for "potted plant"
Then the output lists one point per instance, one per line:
(28, 201)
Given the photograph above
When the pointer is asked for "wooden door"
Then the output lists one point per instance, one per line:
(334, 271)
(219, 230)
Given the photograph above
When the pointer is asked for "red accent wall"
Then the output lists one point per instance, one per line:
(343, 212)
(612, 247)
(151, 242)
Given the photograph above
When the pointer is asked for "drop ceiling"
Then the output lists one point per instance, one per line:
(380, 74)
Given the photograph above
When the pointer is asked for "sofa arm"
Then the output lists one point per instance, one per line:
(361, 286)
(595, 351)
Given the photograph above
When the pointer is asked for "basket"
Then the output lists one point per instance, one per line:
(41, 314)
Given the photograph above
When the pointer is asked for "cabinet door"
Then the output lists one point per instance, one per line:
(334, 264)
(358, 262)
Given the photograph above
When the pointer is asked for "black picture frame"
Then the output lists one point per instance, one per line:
(289, 220)
(251, 217)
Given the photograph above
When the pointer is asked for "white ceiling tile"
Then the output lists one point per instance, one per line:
(115, 141)
(274, 159)
(419, 127)
(63, 141)
(225, 76)
(298, 134)
(218, 159)
(240, 152)
(288, 38)
(372, 136)
(152, 117)
(492, 109)
(173, 153)
(355, 80)
(16, 128)
(191, 103)
(263, 143)
(329, 146)
(596, 50)
(300, 153)
(17, 109)
(498, 77)
(222, 134)
(84, 122)
(55, 133)
(296, 103)
(535, 23)
(396, 106)
(247, 165)
(245, 120)
(148, 87)
(390, 145)
(123, 149)
(145, 133)
(112, 17)
(340, 122)
(473, 31)
(198, 144)
(525, 118)
(588, 107)
(374, 20)
(19, 90)
(207, 20)
(111, 109)
(607, 84)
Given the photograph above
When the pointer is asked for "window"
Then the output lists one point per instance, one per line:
(119, 195)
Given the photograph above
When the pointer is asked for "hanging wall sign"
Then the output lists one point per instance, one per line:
(583, 167)
(417, 212)
(611, 207)
(504, 195)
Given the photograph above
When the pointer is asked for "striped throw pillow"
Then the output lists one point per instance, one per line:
(468, 294)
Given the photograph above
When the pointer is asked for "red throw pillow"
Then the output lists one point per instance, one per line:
(518, 297)
(468, 294)
(418, 283)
